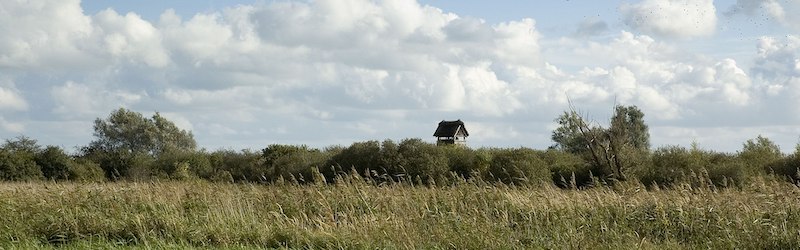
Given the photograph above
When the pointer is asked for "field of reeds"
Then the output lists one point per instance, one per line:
(353, 213)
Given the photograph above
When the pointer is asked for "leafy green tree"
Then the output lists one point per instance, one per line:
(17, 160)
(54, 162)
(629, 128)
(126, 143)
(129, 131)
(612, 151)
(569, 136)
(760, 152)
(423, 160)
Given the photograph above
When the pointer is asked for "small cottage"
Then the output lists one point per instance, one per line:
(451, 132)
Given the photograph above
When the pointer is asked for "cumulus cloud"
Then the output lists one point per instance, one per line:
(13, 127)
(326, 72)
(82, 100)
(672, 18)
(11, 100)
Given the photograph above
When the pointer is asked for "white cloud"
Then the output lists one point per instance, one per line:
(11, 100)
(672, 18)
(13, 127)
(131, 37)
(338, 71)
(81, 100)
(43, 34)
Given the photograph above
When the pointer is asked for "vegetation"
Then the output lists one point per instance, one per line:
(129, 146)
(354, 213)
(596, 187)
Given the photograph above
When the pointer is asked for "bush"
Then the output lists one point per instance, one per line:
(17, 160)
(288, 161)
(759, 154)
(54, 163)
(465, 162)
(183, 165)
(728, 172)
(567, 170)
(671, 165)
(518, 166)
(244, 165)
(787, 167)
(359, 156)
(422, 160)
(16, 166)
(85, 171)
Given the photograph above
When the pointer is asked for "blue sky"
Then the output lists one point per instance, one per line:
(245, 74)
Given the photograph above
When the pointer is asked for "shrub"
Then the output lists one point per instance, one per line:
(673, 164)
(85, 171)
(54, 163)
(518, 166)
(244, 165)
(759, 154)
(565, 166)
(669, 165)
(465, 162)
(17, 160)
(183, 165)
(787, 167)
(359, 156)
(288, 161)
(17, 166)
(422, 160)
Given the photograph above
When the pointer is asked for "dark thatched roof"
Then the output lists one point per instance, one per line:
(450, 128)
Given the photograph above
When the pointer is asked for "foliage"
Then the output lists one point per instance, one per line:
(628, 127)
(760, 153)
(128, 131)
(518, 166)
(18, 160)
(423, 160)
(292, 162)
(85, 171)
(673, 164)
(359, 156)
(465, 162)
(613, 151)
(567, 170)
(244, 165)
(54, 163)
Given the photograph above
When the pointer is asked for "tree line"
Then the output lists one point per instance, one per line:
(129, 146)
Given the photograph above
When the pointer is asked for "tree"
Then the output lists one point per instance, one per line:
(54, 163)
(760, 152)
(126, 143)
(129, 131)
(17, 160)
(627, 125)
(606, 149)
(568, 136)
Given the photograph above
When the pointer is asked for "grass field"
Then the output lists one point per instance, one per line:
(354, 214)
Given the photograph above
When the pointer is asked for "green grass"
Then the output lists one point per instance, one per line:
(762, 215)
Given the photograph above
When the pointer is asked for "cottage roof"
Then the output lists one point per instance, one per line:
(450, 128)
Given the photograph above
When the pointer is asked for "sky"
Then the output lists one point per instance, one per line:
(247, 74)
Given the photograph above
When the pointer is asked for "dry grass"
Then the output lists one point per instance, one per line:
(765, 214)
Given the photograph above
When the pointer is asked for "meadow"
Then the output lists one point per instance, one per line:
(355, 213)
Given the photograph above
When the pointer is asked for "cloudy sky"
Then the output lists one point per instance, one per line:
(245, 74)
